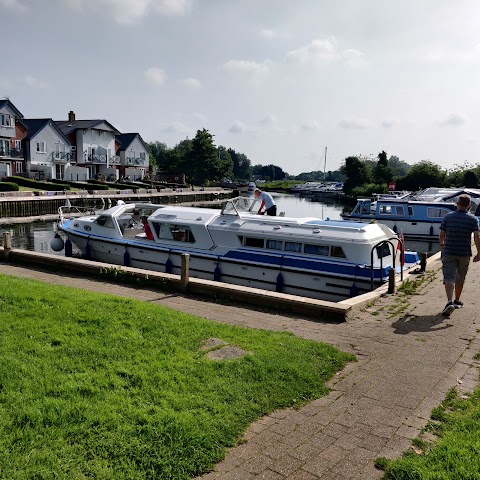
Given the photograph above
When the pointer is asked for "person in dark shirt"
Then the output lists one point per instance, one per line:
(456, 246)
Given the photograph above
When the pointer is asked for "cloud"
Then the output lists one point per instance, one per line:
(453, 120)
(238, 128)
(33, 82)
(192, 83)
(155, 76)
(13, 5)
(269, 121)
(354, 58)
(132, 11)
(267, 33)
(247, 71)
(317, 52)
(310, 126)
(355, 124)
(176, 127)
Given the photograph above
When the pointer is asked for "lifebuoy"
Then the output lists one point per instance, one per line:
(176, 178)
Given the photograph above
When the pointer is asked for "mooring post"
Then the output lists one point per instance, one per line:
(423, 261)
(391, 281)
(184, 275)
(7, 243)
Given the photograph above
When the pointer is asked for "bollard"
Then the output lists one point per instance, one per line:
(184, 275)
(7, 243)
(391, 281)
(423, 262)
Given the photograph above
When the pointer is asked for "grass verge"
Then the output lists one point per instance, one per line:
(97, 386)
(454, 455)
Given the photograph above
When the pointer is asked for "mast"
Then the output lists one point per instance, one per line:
(325, 164)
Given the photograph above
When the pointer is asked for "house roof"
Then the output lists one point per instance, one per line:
(5, 102)
(36, 125)
(67, 127)
(125, 139)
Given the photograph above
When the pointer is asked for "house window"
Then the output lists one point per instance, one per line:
(93, 134)
(4, 147)
(7, 120)
(18, 167)
(18, 144)
(59, 150)
(142, 156)
(41, 147)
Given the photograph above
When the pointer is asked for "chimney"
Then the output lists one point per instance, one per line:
(71, 116)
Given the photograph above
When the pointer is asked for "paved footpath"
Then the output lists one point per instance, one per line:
(409, 357)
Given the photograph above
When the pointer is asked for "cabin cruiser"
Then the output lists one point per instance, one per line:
(416, 219)
(309, 257)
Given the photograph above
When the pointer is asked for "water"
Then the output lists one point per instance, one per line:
(36, 236)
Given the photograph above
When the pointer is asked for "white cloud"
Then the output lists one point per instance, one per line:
(33, 82)
(248, 71)
(238, 128)
(355, 124)
(267, 33)
(131, 11)
(310, 126)
(454, 120)
(176, 127)
(13, 5)
(192, 83)
(155, 76)
(318, 51)
(269, 121)
(354, 58)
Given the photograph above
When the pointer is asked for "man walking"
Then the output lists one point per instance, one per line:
(456, 246)
(267, 201)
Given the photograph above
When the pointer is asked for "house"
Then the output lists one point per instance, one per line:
(93, 145)
(134, 155)
(47, 150)
(12, 161)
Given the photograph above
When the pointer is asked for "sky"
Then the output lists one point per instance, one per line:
(301, 84)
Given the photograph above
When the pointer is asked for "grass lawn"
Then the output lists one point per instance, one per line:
(102, 387)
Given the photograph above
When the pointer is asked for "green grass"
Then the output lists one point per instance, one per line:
(97, 386)
(455, 455)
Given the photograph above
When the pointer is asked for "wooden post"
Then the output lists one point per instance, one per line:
(391, 281)
(7, 243)
(184, 275)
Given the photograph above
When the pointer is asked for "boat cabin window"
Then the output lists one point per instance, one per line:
(293, 247)
(168, 231)
(317, 250)
(105, 221)
(410, 211)
(338, 252)
(274, 245)
(436, 212)
(391, 210)
(254, 242)
(383, 250)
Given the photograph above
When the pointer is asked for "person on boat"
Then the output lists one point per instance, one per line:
(147, 229)
(267, 202)
(456, 246)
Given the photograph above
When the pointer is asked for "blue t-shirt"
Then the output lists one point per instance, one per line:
(459, 226)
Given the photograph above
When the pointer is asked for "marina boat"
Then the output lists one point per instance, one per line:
(416, 219)
(309, 257)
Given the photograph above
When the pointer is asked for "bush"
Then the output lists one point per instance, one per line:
(369, 189)
(82, 185)
(8, 187)
(30, 183)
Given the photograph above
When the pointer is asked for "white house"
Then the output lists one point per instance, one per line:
(47, 150)
(11, 153)
(133, 153)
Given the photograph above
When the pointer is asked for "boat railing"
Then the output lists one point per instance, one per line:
(67, 211)
(237, 205)
(388, 242)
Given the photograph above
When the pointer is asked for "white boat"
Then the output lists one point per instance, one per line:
(309, 257)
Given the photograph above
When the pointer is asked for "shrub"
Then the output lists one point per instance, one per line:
(8, 187)
(30, 183)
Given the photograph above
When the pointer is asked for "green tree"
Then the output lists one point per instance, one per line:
(205, 164)
(242, 167)
(357, 173)
(382, 172)
(399, 168)
(470, 179)
(159, 151)
(424, 174)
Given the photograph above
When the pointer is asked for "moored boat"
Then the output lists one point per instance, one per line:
(310, 257)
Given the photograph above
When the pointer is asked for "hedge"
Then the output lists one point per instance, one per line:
(29, 182)
(8, 187)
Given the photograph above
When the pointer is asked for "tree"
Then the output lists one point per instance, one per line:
(356, 172)
(470, 179)
(242, 167)
(205, 164)
(159, 151)
(399, 168)
(424, 174)
(382, 172)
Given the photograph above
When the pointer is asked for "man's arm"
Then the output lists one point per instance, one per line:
(476, 239)
(261, 206)
(441, 238)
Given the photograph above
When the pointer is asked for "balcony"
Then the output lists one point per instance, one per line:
(94, 158)
(114, 160)
(11, 153)
(135, 161)
(61, 157)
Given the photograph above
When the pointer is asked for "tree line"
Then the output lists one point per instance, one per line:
(202, 162)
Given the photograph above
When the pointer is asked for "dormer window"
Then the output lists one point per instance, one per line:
(7, 120)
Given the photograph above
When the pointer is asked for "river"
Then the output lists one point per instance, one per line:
(36, 236)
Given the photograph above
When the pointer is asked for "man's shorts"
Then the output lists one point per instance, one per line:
(455, 268)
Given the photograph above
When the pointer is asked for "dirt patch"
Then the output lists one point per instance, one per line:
(221, 350)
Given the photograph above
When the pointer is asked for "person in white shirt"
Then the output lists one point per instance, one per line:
(267, 202)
